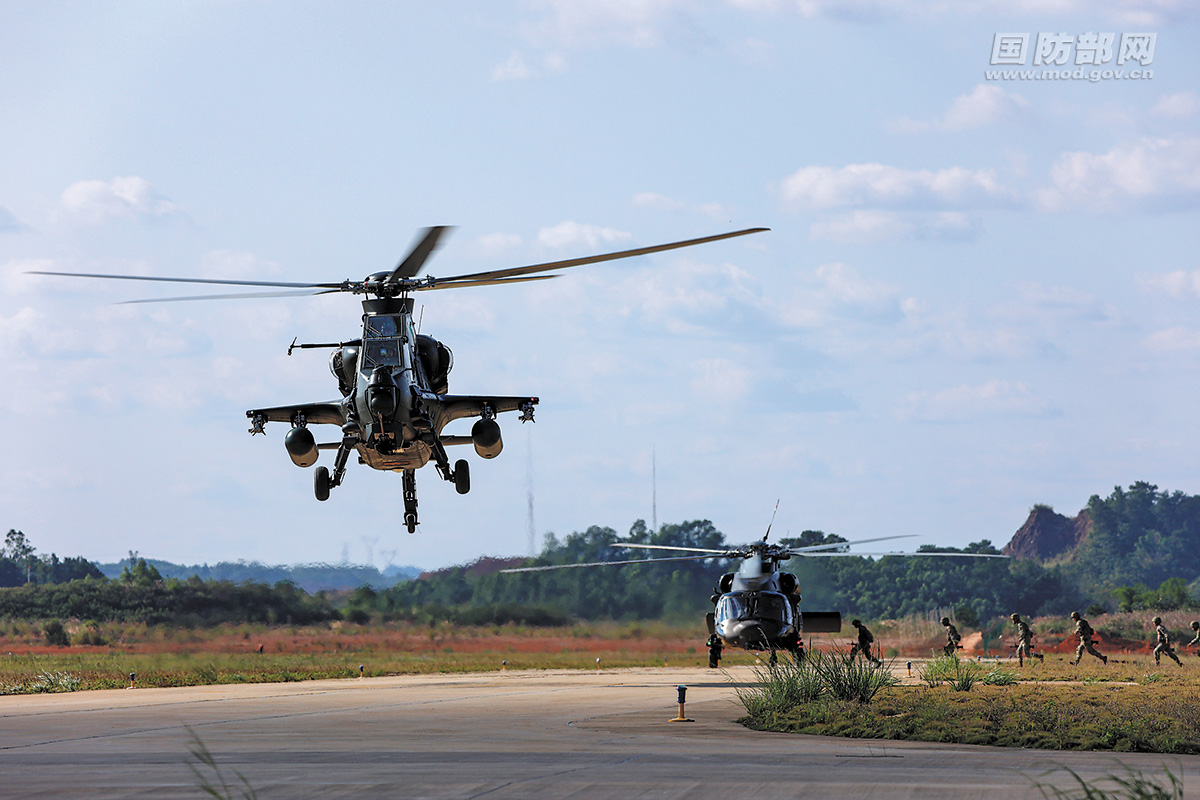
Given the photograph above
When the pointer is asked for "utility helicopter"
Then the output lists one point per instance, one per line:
(757, 608)
(393, 380)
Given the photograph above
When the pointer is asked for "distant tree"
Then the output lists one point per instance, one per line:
(142, 574)
(18, 548)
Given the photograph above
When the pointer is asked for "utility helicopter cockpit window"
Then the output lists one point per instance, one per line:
(754, 605)
(732, 607)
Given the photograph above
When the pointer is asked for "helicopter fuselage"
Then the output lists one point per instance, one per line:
(394, 407)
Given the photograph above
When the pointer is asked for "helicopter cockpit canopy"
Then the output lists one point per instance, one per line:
(753, 605)
(383, 336)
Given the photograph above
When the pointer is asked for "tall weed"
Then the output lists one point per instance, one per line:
(1133, 785)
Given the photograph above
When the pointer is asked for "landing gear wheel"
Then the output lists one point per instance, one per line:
(321, 483)
(410, 522)
(462, 476)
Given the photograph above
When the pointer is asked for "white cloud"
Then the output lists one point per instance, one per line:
(995, 398)
(569, 234)
(1179, 284)
(1180, 104)
(869, 225)
(657, 202)
(120, 198)
(983, 105)
(636, 23)
(1174, 340)
(836, 293)
(879, 185)
(1141, 12)
(1158, 174)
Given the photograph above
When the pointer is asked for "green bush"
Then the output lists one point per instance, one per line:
(55, 634)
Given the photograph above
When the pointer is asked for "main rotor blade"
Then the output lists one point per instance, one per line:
(237, 296)
(213, 281)
(672, 547)
(606, 563)
(412, 263)
(576, 262)
(799, 551)
(905, 555)
(488, 282)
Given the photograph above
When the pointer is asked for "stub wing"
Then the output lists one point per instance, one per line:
(327, 413)
(458, 406)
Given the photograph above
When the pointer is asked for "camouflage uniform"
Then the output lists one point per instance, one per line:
(952, 637)
(1164, 643)
(1024, 641)
(865, 639)
(1196, 641)
(1085, 632)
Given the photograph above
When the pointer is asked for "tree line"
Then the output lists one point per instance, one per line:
(1142, 551)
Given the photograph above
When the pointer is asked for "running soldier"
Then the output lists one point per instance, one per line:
(1086, 641)
(1024, 641)
(1196, 630)
(865, 639)
(952, 638)
(1164, 642)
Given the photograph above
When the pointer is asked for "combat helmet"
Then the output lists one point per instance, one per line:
(945, 620)
(1074, 615)
(1157, 620)
(1015, 617)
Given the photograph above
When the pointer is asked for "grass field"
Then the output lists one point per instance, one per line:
(1129, 705)
(230, 654)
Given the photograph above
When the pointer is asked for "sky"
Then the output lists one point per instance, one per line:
(980, 290)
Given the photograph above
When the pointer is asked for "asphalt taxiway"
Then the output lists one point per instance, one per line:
(537, 734)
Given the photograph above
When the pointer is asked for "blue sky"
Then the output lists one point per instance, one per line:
(977, 294)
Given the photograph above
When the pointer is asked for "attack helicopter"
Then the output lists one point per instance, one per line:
(393, 380)
(757, 607)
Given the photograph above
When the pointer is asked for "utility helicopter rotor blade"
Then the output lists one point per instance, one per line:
(576, 262)
(410, 266)
(549, 567)
(816, 548)
(671, 547)
(905, 555)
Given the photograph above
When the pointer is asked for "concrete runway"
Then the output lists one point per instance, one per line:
(546, 734)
